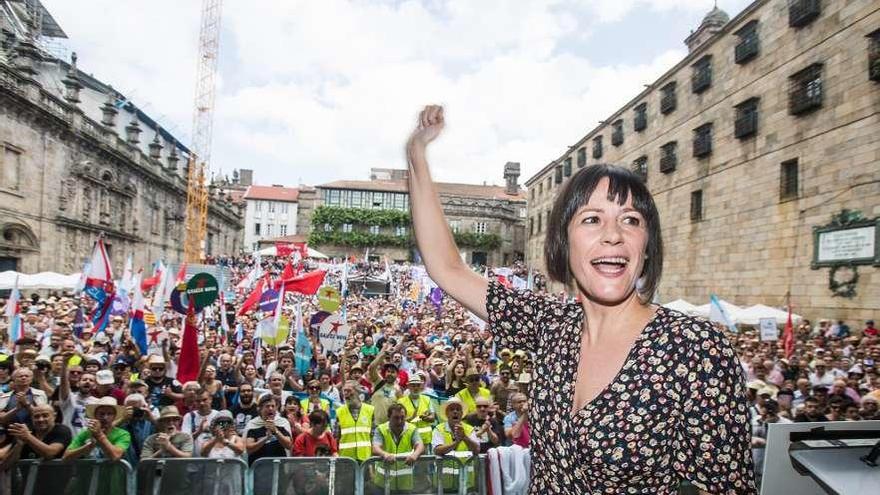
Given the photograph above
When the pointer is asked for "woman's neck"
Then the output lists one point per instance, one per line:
(604, 321)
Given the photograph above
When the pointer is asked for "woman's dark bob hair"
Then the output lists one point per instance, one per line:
(575, 194)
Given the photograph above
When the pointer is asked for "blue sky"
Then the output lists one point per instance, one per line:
(315, 91)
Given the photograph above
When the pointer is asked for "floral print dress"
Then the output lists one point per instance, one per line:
(675, 411)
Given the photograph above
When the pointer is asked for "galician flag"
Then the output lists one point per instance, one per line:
(719, 314)
(13, 313)
(136, 324)
(99, 286)
(127, 276)
(303, 344)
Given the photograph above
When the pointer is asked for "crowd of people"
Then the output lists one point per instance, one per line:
(416, 376)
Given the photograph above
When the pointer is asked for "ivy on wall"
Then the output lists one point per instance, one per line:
(337, 215)
(483, 242)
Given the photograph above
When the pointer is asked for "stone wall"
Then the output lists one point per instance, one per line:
(751, 245)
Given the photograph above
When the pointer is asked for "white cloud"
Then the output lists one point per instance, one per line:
(324, 90)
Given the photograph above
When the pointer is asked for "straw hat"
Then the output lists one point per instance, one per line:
(169, 412)
(455, 401)
(108, 401)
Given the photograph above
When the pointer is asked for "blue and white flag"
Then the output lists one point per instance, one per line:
(13, 312)
(719, 313)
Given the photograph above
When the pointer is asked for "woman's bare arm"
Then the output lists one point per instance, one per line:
(434, 240)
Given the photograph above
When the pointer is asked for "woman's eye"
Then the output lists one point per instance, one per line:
(634, 221)
(590, 219)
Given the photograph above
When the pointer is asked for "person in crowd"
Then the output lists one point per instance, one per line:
(811, 412)
(46, 440)
(419, 409)
(516, 423)
(399, 444)
(225, 442)
(296, 416)
(163, 390)
(314, 400)
(245, 408)
(198, 422)
(16, 404)
(354, 421)
(139, 423)
(488, 429)
(168, 441)
(386, 390)
(265, 438)
(316, 440)
(472, 391)
(100, 438)
(456, 438)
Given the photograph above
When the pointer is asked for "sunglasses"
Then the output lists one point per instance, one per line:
(157, 368)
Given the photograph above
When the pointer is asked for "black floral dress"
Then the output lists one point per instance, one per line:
(675, 411)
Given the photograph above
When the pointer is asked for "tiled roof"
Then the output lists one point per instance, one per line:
(272, 193)
(445, 188)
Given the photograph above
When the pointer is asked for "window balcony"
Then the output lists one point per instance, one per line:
(802, 12)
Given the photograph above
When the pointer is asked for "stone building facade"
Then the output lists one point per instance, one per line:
(488, 221)
(78, 160)
(767, 130)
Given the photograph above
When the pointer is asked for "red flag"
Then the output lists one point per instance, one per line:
(303, 248)
(150, 282)
(503, 281)
(253, 298)
(287, 274)
(788, 336)
(181, 273)
(306, 284)
(283, 248)
(188, 363)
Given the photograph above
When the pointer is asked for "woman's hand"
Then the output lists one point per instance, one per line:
(431, 123)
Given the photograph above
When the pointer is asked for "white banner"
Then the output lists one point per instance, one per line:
(333, 333)
(769, 330)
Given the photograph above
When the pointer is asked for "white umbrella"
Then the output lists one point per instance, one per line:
(37, 281)
(753, 314)
(681, 306)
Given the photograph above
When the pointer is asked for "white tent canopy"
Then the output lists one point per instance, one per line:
(270, 251)
(753, 314)
(732, 310)
(37, 281)
(682, 306)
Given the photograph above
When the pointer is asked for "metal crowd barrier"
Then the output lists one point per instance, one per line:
(80, 477)
(306, 475)
(424, 477)
(193, 476)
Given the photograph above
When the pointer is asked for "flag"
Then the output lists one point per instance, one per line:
(239, 333)
(13, 313)
(252, 276)
(275, 329)
(224, 320)
(287, 273)
(136, 324)
(306, 284)
(181, 273)
(79, 323)
(188, 363)
(258, 353)
(788, 335)
(289, 248)
(127, 276)
(717, 313)
(303, 344)
(99, 286)
(81, 283)
(253, 298)
(150, 282)
(345, 279)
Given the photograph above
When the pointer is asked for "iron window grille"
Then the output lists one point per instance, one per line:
(874, 56)
(582, 157)
(748, 46)
(805, 90)
(668, 157)
(566, 167)
(788, 180)
(558, 174)
(617, 133)
(701, 79)
(668, 100)
(697, 205)
(802, 12)
(746, 123)
(640, 119)
(703, 140)
(597, 147)
(640, 167)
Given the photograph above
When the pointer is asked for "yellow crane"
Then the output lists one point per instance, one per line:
(203, 122)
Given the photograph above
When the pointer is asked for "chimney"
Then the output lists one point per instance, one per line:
(511, 176)
(246, 177)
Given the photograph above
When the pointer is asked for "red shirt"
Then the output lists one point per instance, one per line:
(305, 444)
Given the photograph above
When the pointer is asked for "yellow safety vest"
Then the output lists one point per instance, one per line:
(354, 436)
(399, 473)
(424, 427)
(304, 404)
(462, 452)
(470, 403)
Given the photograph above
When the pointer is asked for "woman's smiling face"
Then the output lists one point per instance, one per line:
(606, 247)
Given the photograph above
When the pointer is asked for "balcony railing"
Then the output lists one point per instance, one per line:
(802, 12)
(746, 50)
(874, 67)
(597, 149)
(617, 137)
(640, 122)
(667, 103)
(668, 162)
(701, 80)
(805, 99)
(746, 125)
(702, 145)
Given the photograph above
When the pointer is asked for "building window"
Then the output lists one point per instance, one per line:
(557, 174)
(874, 56)
(640, 119)
(640, 167)
(334, 197)
(566, 167)
(701, 77)
(697, 205)
(271, 207)
(540, 188)
(374, 229)
(668, 157)
(582, 157)
(597, 147)
(257, 229)
(400, 231)
(805, 90)
(532, 194)
(617, 132)
(455, 226)
(269, 229)
(377, 200)
(748, 45)
(328, 227)
(282, 230)
(668, 98)
(531, 227)
(479, 227)
(788, 180)
(284, 208)
(802, 12)
(10, 169)
(258, 205)
(746, 123)
(540, 217)
(523, 212)
(400, 201)
(347, 227)
(549, 184)
(703, 140)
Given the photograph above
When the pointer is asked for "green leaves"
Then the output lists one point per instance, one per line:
(337, 215)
